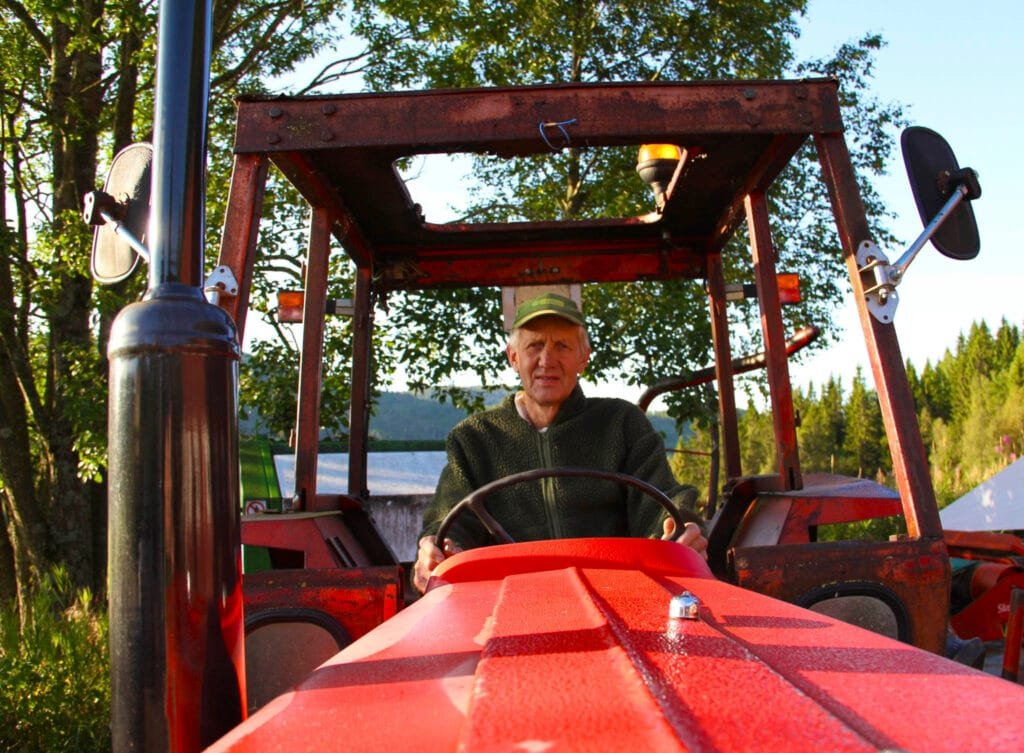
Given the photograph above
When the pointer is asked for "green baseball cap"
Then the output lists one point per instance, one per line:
(548, 304)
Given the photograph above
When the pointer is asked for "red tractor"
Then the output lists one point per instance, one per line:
(588, 644)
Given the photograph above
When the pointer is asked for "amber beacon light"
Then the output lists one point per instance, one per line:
(656, 164)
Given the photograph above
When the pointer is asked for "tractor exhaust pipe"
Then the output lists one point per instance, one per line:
(176, 629)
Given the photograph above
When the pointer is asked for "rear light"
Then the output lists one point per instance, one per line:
(788, 285)
(289, 305)
(789, 288)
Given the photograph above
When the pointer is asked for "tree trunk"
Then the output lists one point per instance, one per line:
(8, 583)
(22, 542)
(76, 100)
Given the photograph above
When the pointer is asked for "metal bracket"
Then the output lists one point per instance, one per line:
(881, 295)
(220, 283)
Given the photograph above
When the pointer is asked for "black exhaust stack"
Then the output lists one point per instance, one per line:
(176, 630)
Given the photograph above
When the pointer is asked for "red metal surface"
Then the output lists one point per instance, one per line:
(359, 599)
(323, 539)
(361, 392)
(493, 562)
(307, 421)
(585, 658)
(339, 152)
(987, 616)
(742, 365)
(790, 517)
(505, 119)
(984, 545)
(763, 251)
(761, 540)
(240, 232)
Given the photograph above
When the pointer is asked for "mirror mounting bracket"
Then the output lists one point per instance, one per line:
(880, 290)
(220, 284)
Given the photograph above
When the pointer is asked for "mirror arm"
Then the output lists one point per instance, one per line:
(881, 277)
(899, 268)
(127, 235)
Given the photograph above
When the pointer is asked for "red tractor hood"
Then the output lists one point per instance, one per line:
(560, 646)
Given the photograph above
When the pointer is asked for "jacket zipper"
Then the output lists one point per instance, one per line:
(547, 486)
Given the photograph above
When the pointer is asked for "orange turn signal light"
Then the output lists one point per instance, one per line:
(789, 288)
(787, 283)
(289, 305)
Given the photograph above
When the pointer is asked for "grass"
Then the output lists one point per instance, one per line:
(55, 686)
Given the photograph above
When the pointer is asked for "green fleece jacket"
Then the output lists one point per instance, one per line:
(602, 433)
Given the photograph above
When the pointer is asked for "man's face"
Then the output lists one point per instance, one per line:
(548, 353)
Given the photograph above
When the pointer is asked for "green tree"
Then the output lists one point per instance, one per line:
(640, 332)
(822, 423)
(757, 442)
(864, 442)
(982, 427)
(1007, 341)
(76, 84)
(936, 391)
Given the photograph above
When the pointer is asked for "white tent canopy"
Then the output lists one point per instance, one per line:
(993, 505)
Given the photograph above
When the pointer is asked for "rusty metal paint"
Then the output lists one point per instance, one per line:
(352, 181)
(916, 572)
(362, 378)
(240, 232)
(790, 517)
(307, 421)
(787, 458)
(505, 120)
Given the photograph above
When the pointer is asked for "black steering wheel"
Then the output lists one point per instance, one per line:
(474, 501)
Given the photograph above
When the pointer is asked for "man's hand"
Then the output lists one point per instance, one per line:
(430, 556)
(691, 536)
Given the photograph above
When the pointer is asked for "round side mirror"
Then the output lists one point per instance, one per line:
(128, 185)
(934, 174)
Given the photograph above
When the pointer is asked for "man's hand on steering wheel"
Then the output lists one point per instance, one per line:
(691, 536)
(428, 557)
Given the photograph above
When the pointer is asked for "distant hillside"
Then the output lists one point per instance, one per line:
(402, 415)
(405, 416)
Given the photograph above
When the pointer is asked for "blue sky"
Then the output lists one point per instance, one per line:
(956, 68)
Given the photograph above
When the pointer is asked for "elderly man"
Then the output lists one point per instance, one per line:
(551, 424)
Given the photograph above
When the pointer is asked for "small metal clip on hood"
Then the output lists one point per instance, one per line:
(684, 606)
